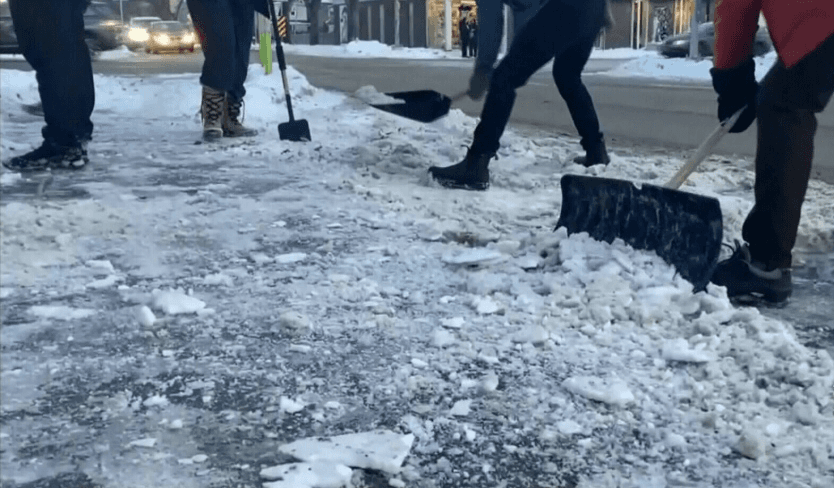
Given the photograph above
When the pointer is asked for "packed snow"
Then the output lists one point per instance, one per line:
(272, 313)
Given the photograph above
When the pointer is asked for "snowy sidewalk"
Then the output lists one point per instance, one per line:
(176, 313)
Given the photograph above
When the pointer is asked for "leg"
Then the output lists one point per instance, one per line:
(243, 23)
(541, 39)
(243, 20)
(788, 101)
(217, 36)
(51, 36)
(787, 123)
(567, 73)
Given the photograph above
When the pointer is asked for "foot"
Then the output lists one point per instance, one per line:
(470, 174)
(232, 117)
(747, 279)
(212, 134)
(595, 154)
(49, 156)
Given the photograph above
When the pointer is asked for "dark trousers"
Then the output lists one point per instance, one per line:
(464, 41)
(225, 29)
(563, 32)
(787, 106)
(51, 37)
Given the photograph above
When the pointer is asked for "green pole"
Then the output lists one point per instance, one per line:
(266, 51)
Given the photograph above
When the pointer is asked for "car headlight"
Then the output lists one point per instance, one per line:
(189, 37)
(110, 23)
(162, 39)
(137, 34)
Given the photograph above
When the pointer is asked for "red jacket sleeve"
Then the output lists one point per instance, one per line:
(735, 27)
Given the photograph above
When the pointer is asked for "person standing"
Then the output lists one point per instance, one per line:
(797, 87)
(560, 30)
(463, 31)
(472, 22)
(225, 30)
(51, 37)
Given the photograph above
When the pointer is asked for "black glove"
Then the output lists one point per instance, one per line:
(479, 83)
(736, 87)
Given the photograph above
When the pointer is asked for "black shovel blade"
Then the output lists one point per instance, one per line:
(682, 228)
(294, 130)
(420, 105)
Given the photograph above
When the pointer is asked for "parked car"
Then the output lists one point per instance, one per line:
(170, 35)
(8, 38)
(678, 46)
(136, 34)
(102, 29)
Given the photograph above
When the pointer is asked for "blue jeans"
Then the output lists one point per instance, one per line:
(51, 37)
(225, 29)
(561, 30)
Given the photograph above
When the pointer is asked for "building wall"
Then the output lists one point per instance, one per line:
(642, 22)
(371, 28)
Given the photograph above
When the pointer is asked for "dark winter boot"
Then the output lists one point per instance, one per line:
(747, 279)
(595, 154)
(470, 174)
(50, 156)
(211, 111)
(231, 120)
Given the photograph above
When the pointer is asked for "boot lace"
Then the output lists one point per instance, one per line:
(236, 109)
(213, 108)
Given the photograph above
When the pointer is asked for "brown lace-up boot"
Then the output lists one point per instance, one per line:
(211, 111)
(232, 126)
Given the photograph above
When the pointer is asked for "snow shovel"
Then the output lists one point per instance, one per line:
(294, 130)
(420, 105)
(684, 229)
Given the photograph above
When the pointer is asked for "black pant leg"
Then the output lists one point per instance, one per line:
(546, 35)
(243, 20)
(51, 37)
(567, 73)
(787, 106)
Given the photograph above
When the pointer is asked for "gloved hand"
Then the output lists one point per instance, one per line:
(479, 83)
(736, 87)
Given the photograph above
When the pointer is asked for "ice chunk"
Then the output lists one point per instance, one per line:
(461, 408)
(174, 302)
(380, 449)
(607, 390)
(679, 350)
(319, 474)
(471, 256)
(145, 316)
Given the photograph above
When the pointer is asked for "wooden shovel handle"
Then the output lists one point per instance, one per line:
(703, 150)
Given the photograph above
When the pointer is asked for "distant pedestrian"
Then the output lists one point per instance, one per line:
(560, 30)
(225, 30)
(798, 86)
(463, 31)
(473, 34)
(50, 34)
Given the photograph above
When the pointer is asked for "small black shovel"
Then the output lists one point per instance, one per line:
(294, 130)
(420, 105)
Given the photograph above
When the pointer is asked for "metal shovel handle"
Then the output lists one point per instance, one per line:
(282, 63)
(703, 150)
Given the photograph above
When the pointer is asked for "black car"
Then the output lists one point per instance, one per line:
(102, 28)
(678, 46)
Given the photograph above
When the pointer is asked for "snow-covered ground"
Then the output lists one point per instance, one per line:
(187, 315)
